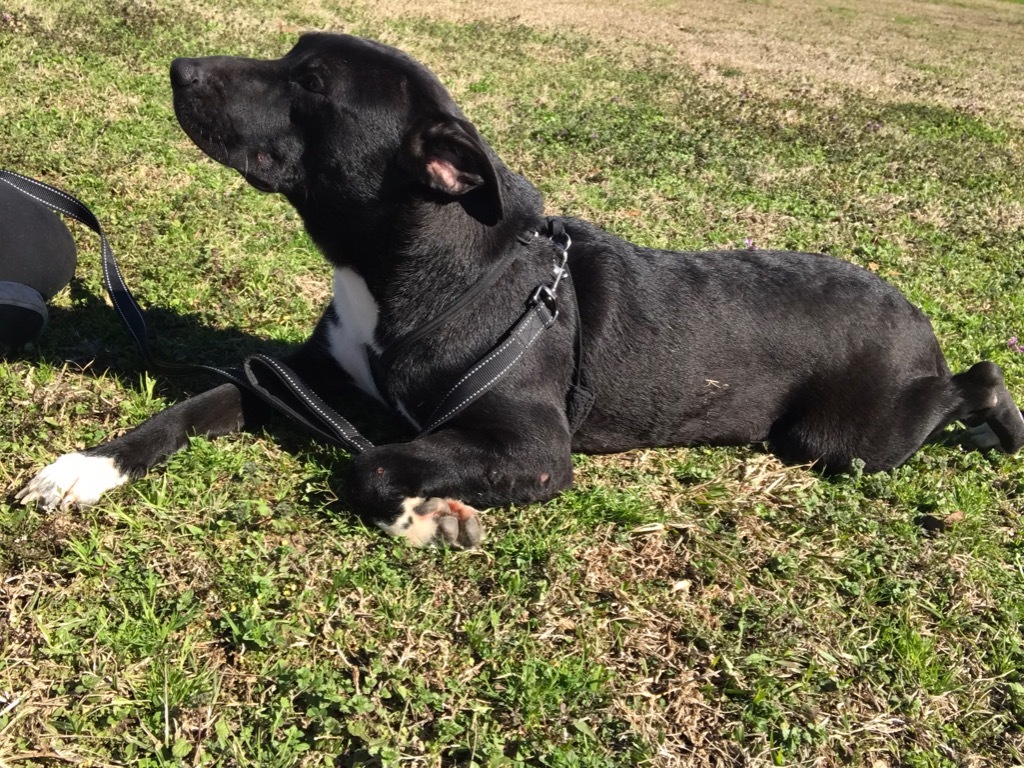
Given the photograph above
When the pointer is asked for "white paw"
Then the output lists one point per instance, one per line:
(983, 438)
(73, 479)
(423, 521)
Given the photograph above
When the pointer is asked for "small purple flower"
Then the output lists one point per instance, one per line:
(1014, 344)
(749, 244)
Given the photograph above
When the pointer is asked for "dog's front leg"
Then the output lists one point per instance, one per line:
(81, 478)
(428, 490)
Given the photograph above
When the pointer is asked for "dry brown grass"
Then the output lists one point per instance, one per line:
(656, 692)
(964, 55)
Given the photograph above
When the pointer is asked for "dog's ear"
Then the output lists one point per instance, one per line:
(448, 155)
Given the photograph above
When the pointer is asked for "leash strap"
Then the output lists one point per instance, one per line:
(306, 407)
(291, 396)
(340, 430)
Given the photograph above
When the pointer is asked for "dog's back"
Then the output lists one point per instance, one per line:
(722, 346)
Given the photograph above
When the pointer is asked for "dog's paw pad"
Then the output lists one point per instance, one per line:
(437, 520)
(72, 480)
(455, 523)
(460, 525)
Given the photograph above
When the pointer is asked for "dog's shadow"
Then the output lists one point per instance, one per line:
(88, 338)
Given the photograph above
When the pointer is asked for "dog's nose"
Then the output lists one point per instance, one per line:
(184, 72)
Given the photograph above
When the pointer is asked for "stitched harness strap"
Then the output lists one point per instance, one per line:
(541, 313)
(397, 348)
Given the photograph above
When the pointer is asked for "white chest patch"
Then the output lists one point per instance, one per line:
(352, 335)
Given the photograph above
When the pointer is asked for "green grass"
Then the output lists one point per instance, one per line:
(702, 606)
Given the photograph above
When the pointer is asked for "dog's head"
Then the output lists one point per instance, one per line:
(340, 121)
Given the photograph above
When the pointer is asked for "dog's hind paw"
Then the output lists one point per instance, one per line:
(982, 438)
(435, 520)
(73, 479)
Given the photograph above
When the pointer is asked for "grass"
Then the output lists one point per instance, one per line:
(686, 607)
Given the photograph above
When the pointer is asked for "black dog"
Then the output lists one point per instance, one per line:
(818, 357)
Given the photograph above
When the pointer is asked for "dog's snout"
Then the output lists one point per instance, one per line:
(185, 72)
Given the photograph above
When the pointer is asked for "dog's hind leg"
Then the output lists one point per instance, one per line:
(978, 398)
(428, 490)
(836, 423)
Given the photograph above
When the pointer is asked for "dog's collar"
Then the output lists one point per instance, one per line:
(552, 229)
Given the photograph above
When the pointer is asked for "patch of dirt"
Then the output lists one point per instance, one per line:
(658, 685)
(963, 55)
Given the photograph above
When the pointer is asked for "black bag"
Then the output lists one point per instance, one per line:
(37, 259)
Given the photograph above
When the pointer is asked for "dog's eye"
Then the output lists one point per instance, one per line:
(310, 81)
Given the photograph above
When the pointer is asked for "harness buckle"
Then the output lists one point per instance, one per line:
(559, 270)
(548, 294)
(545, 294)
(562, 240)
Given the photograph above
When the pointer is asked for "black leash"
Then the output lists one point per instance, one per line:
(318, 417)
(305, 406)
